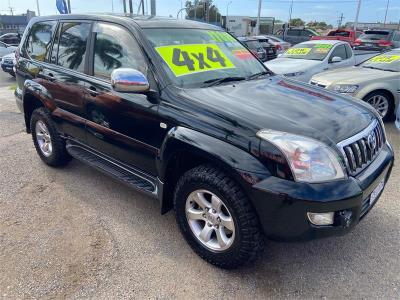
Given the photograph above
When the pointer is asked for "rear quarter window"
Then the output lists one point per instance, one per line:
(39, 40)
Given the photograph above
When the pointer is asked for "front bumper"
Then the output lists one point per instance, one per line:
(282, 205)
(8, 68)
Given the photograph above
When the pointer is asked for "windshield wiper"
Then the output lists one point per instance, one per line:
(217, 81)
(259, 74)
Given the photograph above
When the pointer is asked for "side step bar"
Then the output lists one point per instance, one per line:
(132, 177)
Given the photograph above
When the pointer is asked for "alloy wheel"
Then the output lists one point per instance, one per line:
(380, 103)
(43, 138)
(210, 220)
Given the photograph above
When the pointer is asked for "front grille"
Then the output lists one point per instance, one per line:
(360, 150)
(318, 84)
(8, 61)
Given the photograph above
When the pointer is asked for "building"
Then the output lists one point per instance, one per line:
(15, 23)
(364, 26)
(242, 25)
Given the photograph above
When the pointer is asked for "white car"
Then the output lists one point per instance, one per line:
(6, 49)
(306, 59)
(376, 81)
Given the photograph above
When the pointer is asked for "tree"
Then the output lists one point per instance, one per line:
(213, 13)
(297, 22)
(318, 25)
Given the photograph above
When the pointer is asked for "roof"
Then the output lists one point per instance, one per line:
(141, 21)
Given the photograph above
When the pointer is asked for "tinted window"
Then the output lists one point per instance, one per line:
(292, 32)
(339, 51)
(39, 40)
(72, 45)
(339, 33)
(114, 48)
(306, 33)
(375, 35)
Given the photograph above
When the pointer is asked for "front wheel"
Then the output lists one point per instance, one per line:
(216, 218)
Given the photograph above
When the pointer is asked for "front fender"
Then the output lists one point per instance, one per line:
(34, 89)
(212, 149)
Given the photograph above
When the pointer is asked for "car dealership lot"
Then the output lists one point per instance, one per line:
(74, 232)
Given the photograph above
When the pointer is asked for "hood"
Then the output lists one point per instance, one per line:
(281, 104)
(351, 75)
(290, 65)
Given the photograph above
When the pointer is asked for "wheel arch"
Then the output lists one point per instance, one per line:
(184, 149)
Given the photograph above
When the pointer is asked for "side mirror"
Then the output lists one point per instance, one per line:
(336, 59)
(129, 80)
(280, 54)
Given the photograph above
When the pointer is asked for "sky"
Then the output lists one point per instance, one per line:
(308, 10)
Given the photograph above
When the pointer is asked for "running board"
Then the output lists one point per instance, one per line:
(132, 177)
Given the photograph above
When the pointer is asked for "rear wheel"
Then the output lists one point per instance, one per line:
(48, 143)
(382, 102)
(216, 218)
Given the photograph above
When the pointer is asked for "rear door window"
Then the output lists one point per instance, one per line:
(39, 40)
(72, 45)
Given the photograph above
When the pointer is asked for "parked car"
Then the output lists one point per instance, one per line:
(5, 49)
(378, 40)
(304, 60)
(270, 50)
(376, 81)
(254, 46)
(346, 35)
(280, 45)
(11, 39)
(183, 112)
(296, 35)
(7, 63)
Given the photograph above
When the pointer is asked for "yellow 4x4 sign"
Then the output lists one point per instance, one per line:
(384, 59)
(298, 51)
(194, 58)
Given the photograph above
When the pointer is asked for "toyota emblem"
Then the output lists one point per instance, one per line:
(371, 141)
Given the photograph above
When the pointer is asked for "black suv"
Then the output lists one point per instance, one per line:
(378, 40)
(183, 112)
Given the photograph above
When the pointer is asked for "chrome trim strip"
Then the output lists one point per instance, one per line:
(362, 134)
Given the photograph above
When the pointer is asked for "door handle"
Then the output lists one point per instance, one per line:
(48, 77)
(92, 91)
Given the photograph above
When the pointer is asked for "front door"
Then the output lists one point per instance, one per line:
(124, 126)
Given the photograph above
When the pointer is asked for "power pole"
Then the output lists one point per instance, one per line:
(37, 6)
(130, 7)
(153, 7)
(69, 6)
(124, 2)
(290, 12)
(387, 6)
(340, 21)
(258, 18)
(357, 14)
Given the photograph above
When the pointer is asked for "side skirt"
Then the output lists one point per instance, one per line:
(132, 177)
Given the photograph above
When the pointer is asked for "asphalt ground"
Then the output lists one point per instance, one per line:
(76, 233)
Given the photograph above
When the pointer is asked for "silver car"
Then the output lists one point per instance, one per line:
(6, 49)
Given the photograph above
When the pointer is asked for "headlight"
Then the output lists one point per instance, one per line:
(345, 88)
(294, 74)
(309, 159)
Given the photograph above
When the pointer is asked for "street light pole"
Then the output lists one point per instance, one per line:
(290, 12)
(258, 18)
(226, 18)
(357, 14)
(387, 6)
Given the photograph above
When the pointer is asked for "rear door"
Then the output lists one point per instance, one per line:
(65, 76)
(124, 126)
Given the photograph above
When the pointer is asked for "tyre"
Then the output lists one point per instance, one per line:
(48, 142)
(383, 103)
(216, 218)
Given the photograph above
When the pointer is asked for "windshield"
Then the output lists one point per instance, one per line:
(374, 35)
(253, 44)
(390, 61)
(193, 56)
(308, 51)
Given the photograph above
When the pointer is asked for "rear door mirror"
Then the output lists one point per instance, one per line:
(129, 80)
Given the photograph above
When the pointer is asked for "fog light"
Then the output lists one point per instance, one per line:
(321, 218)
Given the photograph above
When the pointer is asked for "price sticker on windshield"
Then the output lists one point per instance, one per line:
(384, 59)
(322, 48)
(194, 58)
(298, 51)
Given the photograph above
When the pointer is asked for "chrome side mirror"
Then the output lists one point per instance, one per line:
(336, 59)
(129, 80)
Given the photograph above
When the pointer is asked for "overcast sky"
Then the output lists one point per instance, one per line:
(320, 10)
